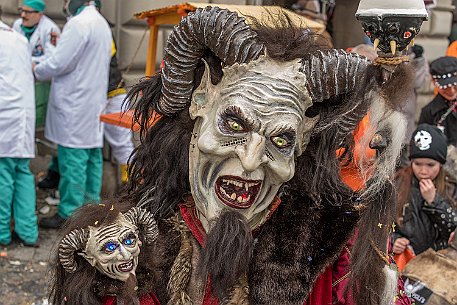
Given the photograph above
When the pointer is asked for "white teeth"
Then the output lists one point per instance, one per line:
(233, 197)
(239, 199)
(245, 185)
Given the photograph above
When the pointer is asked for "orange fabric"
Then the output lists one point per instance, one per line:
(403, 258)
(350, 173)
(452, 49)
(125, 119)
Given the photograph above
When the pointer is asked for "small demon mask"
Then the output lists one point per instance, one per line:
(112, 248)
(391, 25)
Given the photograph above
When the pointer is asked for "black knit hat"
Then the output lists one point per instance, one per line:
(428, 141)
(444, 71)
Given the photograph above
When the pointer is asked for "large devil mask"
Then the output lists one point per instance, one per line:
(252, 125)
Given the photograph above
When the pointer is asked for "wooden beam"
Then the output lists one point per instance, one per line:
(170, 18)
(152, 50)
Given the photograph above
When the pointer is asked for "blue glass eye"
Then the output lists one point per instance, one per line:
(110, 247)
(129, 241)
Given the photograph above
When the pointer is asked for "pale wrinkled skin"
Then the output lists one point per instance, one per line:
(249, 129)
(122, 261)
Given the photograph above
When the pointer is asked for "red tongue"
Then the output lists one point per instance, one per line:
(244, 195)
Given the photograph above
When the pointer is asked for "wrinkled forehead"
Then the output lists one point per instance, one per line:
(118, 228)
(265, 95)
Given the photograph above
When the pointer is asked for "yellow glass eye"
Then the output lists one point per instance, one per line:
(279, 142)
(235, 126)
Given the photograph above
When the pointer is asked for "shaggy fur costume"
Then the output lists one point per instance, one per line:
(318, 212)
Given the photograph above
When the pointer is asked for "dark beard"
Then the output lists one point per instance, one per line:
(227, 252)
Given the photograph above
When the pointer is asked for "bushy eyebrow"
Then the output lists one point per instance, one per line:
(282, 129)
(235, 112)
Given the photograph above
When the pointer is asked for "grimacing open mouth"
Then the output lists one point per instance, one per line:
(237, 192)
(126, 267)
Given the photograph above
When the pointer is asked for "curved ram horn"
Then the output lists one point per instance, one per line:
(72, 242)
(331, 73)
(219, 30)
(141, 217)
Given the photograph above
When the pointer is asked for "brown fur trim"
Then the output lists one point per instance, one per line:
(285, 265)
(182, 266)
(158, 260)
(239, 295)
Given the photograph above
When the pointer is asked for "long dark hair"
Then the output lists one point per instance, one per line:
(159, 166)
(445, 185)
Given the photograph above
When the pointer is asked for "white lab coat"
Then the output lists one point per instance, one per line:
(17, 96)
(79, 67)
(40, 41)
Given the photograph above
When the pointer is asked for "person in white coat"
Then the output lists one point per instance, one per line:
(79, 67)
(39, 29)
(42, 34)
(17, 134)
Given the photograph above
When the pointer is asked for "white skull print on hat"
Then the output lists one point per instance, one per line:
(423, 139)
(428, 141)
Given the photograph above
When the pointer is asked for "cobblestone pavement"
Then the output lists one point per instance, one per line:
(25, 270)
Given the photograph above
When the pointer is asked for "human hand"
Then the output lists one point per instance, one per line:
(54, 37)
(400, 245)
(428, 189)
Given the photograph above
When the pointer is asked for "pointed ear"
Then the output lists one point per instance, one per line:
(199, 100)
(88, 258)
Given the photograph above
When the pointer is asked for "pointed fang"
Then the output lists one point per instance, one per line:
(375, 44)
(393, 46)
(412, 42)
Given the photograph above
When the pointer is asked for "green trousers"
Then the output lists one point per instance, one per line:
(18, 196)
(41, 102)
(80, 177)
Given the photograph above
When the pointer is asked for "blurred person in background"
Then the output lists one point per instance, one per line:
(41, 33)
(441, 111)
(17, 133)
(427, 195)
(119, 138)
(79, 67)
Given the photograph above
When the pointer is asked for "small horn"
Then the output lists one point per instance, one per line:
(141, 217)
(73, 241)
(223, 32)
